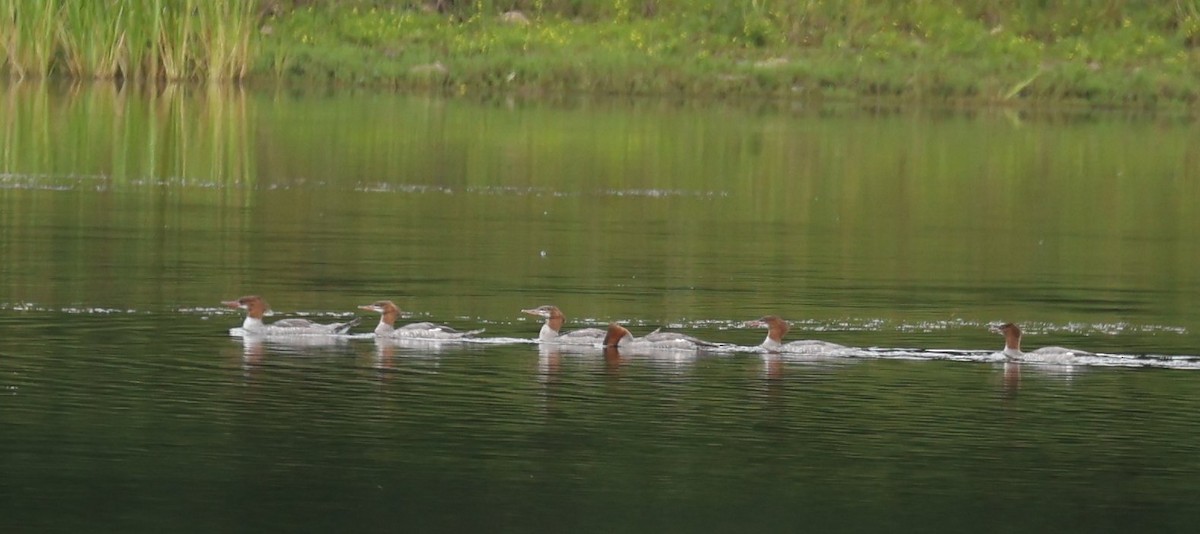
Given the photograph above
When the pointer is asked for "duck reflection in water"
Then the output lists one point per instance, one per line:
(553, 356)
(424, 354)
(256, 348)
(772, 367)
(666, 350)
(252, 354)
(775, 365)
(1013, 370)
(385, 353)
(549, 362)
(612, 360)
(1012, 379)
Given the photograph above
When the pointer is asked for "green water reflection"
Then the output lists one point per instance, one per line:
(642, 209)
(126, 216)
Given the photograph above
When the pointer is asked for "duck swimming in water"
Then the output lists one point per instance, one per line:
(256, 308)
(620, 337)
(777, 328)
(1012, 347)
(552, 329)
(387, 320)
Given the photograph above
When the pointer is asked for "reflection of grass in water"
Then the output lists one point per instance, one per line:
(135, 174)
(136, 136)
(844, 207)
(1009, 193)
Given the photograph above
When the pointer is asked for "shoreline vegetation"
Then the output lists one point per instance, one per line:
(127, 40)
(1102, 52)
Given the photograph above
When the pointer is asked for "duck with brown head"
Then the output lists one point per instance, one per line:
(1012, 347)
(256, 308)
(777, 328)
(620, 337)
(552, 329)
(389, 312)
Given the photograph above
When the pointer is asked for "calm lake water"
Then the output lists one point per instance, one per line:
(125, 405)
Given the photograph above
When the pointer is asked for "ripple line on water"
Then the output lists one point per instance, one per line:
(867, 324)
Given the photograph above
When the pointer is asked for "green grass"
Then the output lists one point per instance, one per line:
(27, 30)
(1114, 51)
(1097, 51)
(128, 39)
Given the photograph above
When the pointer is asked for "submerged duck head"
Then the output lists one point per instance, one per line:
(616, 334)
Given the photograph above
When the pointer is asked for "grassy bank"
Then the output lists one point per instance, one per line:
(127, 39)
(1111, 51)
(1098, 51)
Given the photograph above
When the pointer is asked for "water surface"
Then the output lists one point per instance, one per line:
(127, 216)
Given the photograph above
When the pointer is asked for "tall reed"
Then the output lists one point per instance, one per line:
(90, 41)
(128, 39)
(30, 28)
(226, 26)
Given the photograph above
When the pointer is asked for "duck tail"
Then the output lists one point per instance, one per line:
(346, 326)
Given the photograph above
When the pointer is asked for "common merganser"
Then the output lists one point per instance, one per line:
(1012, 347)
(552, 329)
(777, 328)
(256, 307)
(429, 331)
(619, 336)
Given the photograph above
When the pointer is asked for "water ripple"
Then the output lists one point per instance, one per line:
(418, 189)
(675, 358)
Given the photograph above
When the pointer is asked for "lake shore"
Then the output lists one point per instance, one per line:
(962, 51)
(934, 53)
